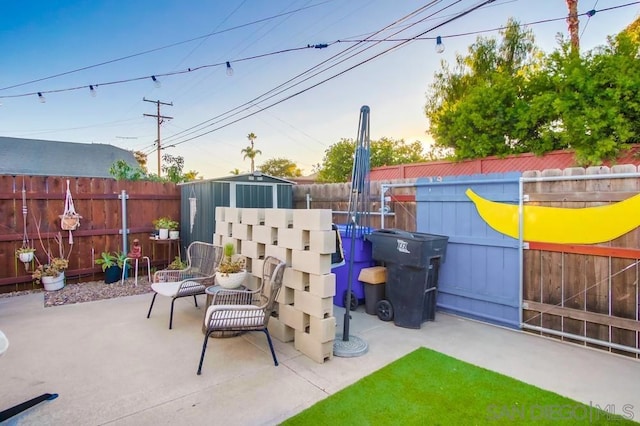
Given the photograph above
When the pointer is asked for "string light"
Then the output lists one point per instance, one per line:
(41, 98)
(439, 45)
(589, 14)
(229, 69)
(92, 90)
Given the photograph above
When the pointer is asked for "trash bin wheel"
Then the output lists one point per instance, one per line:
(352, 301)
(384, 310)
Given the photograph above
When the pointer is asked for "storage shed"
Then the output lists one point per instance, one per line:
(200, 199)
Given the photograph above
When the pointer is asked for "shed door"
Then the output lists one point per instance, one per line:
(254, 196)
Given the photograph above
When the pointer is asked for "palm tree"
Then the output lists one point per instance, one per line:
(235, 171)
(250, 152)
(573, 23)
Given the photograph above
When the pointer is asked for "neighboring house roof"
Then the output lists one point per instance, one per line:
(36, 157)
(512, 163)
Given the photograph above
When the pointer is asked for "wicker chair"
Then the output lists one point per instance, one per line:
(203, 260)
(242, 310)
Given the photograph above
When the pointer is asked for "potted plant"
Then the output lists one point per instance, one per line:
(108, 261)
(177, 264)
(25, 254)
(51, 272)
(231, 271)
(164, 225)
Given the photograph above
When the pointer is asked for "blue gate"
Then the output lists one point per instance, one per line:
(480, 278)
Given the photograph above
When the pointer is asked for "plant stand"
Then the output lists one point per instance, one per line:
(124, 268)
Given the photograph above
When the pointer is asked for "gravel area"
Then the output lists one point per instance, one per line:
(88, 292)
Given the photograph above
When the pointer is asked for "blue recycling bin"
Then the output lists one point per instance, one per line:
(362, 258)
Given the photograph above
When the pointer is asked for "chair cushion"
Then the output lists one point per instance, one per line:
(234, 316)
(170, 289)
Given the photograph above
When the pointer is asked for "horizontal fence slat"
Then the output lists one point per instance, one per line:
(585, 197)
(618, 252)
(606, 320)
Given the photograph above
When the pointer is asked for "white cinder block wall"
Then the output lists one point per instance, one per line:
(304, 240)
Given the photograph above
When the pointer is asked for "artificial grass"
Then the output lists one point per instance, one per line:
(429, 388)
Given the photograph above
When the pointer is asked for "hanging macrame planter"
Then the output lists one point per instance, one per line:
(25, 253)
(69, 220)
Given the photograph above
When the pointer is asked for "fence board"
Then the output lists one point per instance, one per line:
(97, 201)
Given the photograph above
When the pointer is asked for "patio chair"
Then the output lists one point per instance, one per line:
(203, 260)
(243, 310)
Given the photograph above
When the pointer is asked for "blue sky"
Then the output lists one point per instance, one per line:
(39, 39)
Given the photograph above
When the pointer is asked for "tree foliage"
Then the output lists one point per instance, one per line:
(250, 152)
(280, 167)
(505, 97)
(337, 164)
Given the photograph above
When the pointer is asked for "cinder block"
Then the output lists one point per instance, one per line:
(251, 281)
(256, 267)
(293, 279)
(265, 234)
(252, 216)
(319, 307)
(322, 241)
(373, 275)
(292, 317)
(217, 240)
(322, 285)
(281, 331)
(281, 253)
(312, 219)
(220, 214)
(253, 249)
(223, 228)
(317, 351)
(276, 251)
(311, 262)
(278, 218)
(297, 239)
(285, 297)
(322, 329)
(232, 214)
(241, 231)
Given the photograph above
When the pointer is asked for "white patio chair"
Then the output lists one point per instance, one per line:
(243, 310)
(203, 260)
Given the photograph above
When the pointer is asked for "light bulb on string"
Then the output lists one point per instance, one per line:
(92, 90)
(229, 69)
(439, 45)
(41, 98)
(156, 82)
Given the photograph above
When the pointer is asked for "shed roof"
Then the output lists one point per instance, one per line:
(37, 157)
(255, 177)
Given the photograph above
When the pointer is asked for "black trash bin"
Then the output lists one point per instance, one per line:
(413, 260)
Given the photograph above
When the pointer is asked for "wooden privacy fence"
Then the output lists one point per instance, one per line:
(335, 196)
(586, 294)
(97, 200)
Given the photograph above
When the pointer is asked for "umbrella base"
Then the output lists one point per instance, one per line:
(351, 348)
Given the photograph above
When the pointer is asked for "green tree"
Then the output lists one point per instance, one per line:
(250, 152)
(172, 167)
(121, 170)
(337, 164)
(235, 171)
(596, 98)
(280, 167)
(481, 106)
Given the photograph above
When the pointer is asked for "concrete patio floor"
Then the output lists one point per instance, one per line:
(111, 365)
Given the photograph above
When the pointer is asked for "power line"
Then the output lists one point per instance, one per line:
(295, 49)
(460, 15)
(205, 36)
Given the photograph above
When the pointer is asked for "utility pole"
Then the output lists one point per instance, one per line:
(160, 119)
